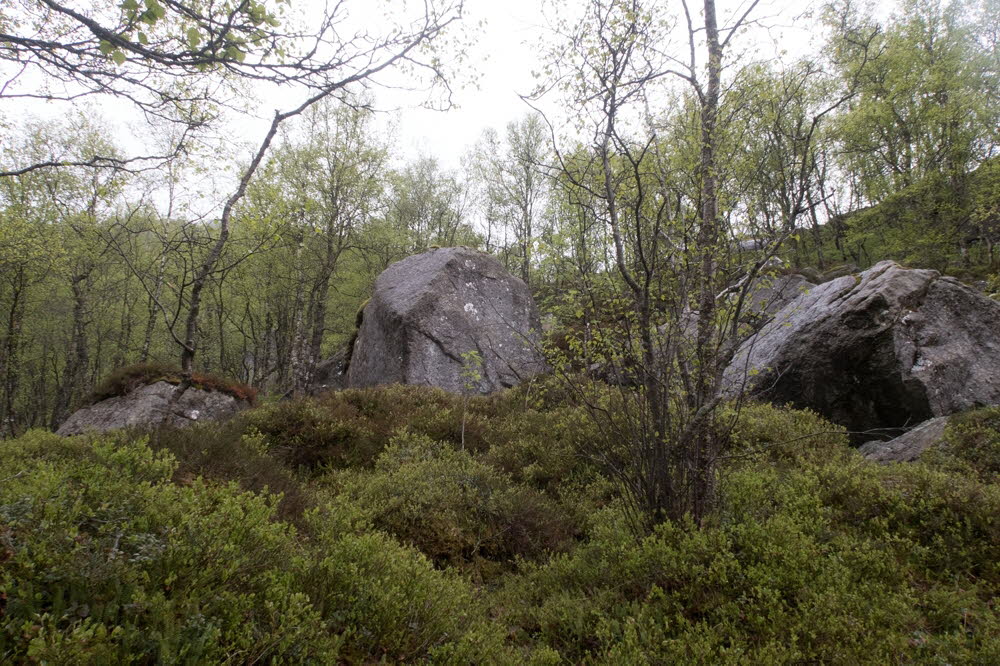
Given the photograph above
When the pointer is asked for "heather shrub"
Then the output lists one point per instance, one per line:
(388, 601)
(545, 392)
(425, 410)
(228, 452)
(453, 507)
(306, 433)
(105, 560)
(401, 545)
(828, 562)
(942, 522)
(973, 437)
(781, 434)
(349, 428)
(543, 448)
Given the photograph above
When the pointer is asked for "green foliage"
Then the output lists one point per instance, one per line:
(993, 286)
(106, 561)
(916, 226)
(782, 435)
(349, 428)
(229, 452)
(472, 370)
(973, 437)
(113, 550)
(838, 561)
(389, 600)
(454, 508)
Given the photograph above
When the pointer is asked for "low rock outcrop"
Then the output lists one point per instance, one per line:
(146, 406)
(883, 349)
(452, 318)
(909, 446)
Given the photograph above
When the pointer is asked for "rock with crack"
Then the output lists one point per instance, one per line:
(451, 318)
(886, 348)
(146, 406)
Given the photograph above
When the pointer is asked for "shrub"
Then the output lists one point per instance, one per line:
(782, 434)
(112, 550)
(452, 507)
(794, 571)
(306, 433)
(106, 561)
(974, 438)
(390, 601)
(109, 562)
(348, 428)
(546, 392)
(942, 522)
(228, 452)
(542, 448)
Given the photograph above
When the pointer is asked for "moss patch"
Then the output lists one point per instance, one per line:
(125, 380)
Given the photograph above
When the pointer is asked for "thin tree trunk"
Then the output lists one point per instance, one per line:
(147, 338)
(11, 348)
(700, 455)
(79, 357)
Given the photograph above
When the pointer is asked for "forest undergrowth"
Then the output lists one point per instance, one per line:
(356, 527)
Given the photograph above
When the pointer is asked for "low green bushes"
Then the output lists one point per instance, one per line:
(392, 540)
(349, 428)
(106, 561)
(833, 563)
(229, 452)
(453, 507)
(974, 438)
(758, 431)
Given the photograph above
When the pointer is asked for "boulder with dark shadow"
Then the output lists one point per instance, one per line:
(883, 349)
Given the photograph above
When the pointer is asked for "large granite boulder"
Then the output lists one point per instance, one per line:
(430, 310)
(887, 348)
(146, 406)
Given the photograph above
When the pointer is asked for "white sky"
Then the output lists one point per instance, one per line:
(504, 52)
(504, 57)
(507, 52)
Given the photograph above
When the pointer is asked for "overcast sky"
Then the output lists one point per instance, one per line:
(503, 54)
(508, 50)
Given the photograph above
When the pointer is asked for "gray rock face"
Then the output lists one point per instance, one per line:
(890, 347)
(429, 309)
(331, 374)
(769, 295)
(144, 407)
(909, 446)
